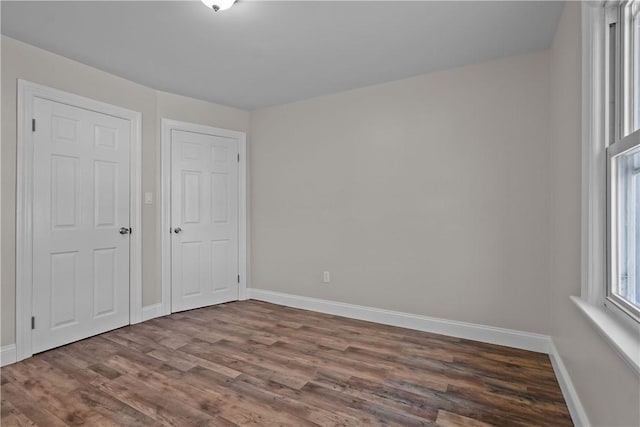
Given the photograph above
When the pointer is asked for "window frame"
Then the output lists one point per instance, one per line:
(619, 113)
(612, 300)
(618, 329)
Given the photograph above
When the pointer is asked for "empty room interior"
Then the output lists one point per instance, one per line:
(330, 213)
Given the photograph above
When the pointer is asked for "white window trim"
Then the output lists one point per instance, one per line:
(622, 333)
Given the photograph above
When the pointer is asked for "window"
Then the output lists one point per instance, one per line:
(624, 224)
(623, 158)
(610, 179)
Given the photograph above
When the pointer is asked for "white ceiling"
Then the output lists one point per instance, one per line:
(260, 53)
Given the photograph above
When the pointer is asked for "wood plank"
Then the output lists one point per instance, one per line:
(254, 363)
(11, 416)
(448, 419)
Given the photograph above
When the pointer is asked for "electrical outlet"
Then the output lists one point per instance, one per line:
(326, 277)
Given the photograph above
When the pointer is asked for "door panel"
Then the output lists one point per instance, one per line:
(222, 270)
(105, 193)
(204, 205)
(219, 197)
(64, 191)
(64, 288)
(191, 277)
(104, 281)
(81, 199)
(191, 197)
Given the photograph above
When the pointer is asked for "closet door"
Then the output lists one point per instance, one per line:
(80, 224)
(204, 217)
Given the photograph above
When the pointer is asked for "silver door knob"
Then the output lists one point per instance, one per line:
(125, 230)
(177, 230)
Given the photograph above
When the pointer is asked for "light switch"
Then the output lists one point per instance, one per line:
(148, 198)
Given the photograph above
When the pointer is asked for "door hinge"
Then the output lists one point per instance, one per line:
(238, 157)
(33, 322)
(33, 125)
(238, 278)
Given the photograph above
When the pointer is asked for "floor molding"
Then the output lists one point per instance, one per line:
(489, 334)
(306, 339)
(152, 311)
(578, 414)
(7, 354)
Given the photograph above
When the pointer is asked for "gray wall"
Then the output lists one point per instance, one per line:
(428, 195)
(22, 61)
(455, 195)
(608, 388)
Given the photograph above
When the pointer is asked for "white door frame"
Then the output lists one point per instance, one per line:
(27, 92)
(165, 201)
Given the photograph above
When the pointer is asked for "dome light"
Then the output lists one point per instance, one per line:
(218, 5)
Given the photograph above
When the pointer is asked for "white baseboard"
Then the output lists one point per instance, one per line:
(578, 414)
(489, 334)
(7, 354)
(152, 311)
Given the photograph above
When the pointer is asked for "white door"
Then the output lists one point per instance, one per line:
(81, 201)
(204, 218)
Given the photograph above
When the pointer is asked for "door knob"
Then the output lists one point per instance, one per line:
(177, 230)
(125, 230)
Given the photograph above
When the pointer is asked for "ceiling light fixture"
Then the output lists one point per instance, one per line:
(218, 5)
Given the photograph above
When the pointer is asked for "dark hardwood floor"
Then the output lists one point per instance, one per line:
(253, 363)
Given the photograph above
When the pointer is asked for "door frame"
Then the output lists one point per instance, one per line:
(27, 92)
(167, 126)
